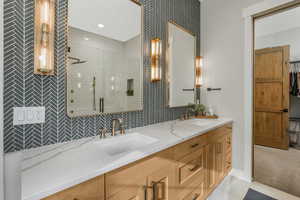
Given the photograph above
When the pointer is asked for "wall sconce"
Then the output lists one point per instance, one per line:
(199, 66)
(44, 37)
(155, 60)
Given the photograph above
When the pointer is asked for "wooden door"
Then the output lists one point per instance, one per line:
(271, 97)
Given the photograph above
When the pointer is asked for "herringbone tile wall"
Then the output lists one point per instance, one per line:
(23, 88)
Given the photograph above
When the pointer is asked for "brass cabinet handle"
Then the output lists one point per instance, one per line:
(219, 148)
(145, 192)
(196, 196)
(154, 191)
(194, 168)
(194, 145)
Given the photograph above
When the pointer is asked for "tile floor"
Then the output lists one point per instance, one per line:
(235, 189)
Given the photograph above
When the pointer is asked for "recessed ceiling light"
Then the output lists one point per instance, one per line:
(86, 38)
(100, 25)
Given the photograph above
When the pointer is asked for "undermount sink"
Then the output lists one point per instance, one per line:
(126, 143)
(203, 122)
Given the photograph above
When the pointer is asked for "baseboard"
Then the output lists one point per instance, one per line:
(237, 173)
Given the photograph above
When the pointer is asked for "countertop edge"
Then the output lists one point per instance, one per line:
(43, 194)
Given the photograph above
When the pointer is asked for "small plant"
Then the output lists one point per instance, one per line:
(130, 92)
(197, 109)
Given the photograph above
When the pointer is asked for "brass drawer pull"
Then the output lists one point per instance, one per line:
(219, 148)
(194, 145)
(154, 191)
(194, 168)
(145, 192)
(196, 196)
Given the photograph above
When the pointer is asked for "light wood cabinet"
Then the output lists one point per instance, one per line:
(188, 171)
(219, 156)
(90, 190)
(191, 173)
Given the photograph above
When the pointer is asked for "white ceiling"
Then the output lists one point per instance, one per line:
(121, 18)
(283, 21)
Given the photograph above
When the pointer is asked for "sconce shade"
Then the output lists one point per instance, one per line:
(44, 37)
(155, 60)
(199, 66)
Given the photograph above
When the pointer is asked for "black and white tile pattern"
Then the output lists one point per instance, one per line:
(23, 88)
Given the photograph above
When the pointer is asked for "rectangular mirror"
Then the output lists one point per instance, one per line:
(181, 66)
(104, 71)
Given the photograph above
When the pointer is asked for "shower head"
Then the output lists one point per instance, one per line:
(77, 61)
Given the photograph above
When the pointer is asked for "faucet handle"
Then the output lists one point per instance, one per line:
(122, 130)
(103, 133)
(120, 121)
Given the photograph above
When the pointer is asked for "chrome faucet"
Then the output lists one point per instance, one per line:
(117, 124)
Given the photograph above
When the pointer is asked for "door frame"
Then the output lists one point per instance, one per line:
(250, 14)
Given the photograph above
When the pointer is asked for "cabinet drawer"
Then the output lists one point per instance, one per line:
(191, 165)
(195, 188)
(90, 190)
(197, 194)
(192, 145)
(222, 132)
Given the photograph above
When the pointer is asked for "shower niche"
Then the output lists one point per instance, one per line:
(104, 70)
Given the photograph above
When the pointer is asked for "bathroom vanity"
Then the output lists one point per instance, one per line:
(114, 73)
(182, 160)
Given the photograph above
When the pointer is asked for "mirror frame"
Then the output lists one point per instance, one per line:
(67, 33)
(170, 22)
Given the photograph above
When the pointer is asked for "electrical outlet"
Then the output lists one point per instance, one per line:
(29, 115)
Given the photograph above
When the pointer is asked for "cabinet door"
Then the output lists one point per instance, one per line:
(211, 166)
(161, 184)
(133, 181)
(220, 158)
(228, 154)
(90, 190)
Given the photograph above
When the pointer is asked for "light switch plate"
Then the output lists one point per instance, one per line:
(29, 115)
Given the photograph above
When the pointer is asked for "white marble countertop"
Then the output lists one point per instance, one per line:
(50, 169)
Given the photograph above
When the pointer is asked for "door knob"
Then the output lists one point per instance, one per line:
(285, 110)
